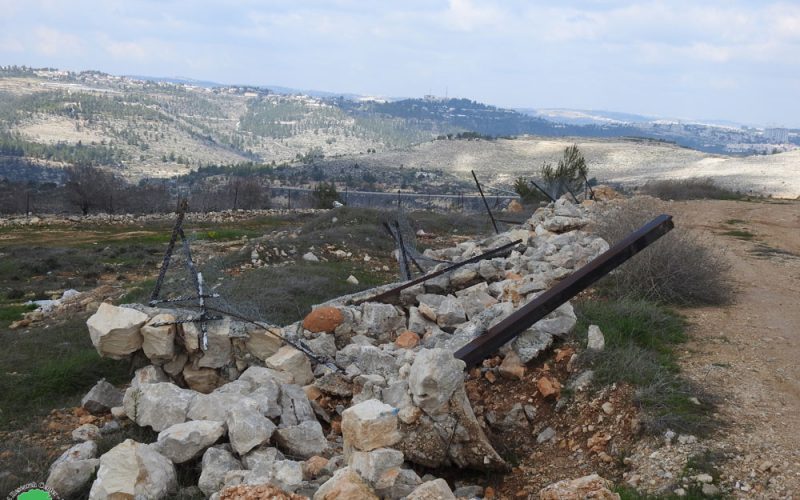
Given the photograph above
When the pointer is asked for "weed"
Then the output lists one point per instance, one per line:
(640, 339)
(766, 251)
(680, 268)
(734, 222)
(742, 234)
(10, 313)
(690, 189)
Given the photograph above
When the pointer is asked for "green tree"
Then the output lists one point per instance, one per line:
(529, 194)
(569, 174)
(325, 194)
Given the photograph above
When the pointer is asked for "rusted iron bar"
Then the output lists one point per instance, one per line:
(485, 203)
(522, 319)
(402, 257)
(396, 290)
(591, 191)
(183, 206)
(542, 190)
(406, 254)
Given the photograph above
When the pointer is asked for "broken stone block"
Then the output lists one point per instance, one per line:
(115, 330)
(432, 490)
(175, 366)
(261, 459)
(303, 440)
(290, 360)
(407, 340)
(371, 465)
(247, 428)
(215, 406)
(548, 386)
(159, 405)
(450, 313)
(434, 376)
(101, 398)
(259, 375)
(463, 276)
(592, 486)
(295, 406)
(369, 425)
(263, 343)
(219, 352)
(380, 321)
(133, 470)
(511, 367)
(217, 462)
(203, 380)
(345, 483)
(323, 319)
(182, 442)
(397, 483)
(158, 342)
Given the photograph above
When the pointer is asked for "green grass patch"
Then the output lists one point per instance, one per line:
(49, 368)
(285, 294)
(13, 312)
(742, 234)
(640, 350)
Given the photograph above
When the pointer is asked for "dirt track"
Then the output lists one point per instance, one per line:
(749, 352)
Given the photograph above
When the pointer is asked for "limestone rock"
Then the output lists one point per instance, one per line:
(323, 319)
(435, 375)
(450, 313)
(593, 486)
(203, 380)
(158, 405)
(345, 484)
(369, 425)
(150, 374)
(372, 465)
(512, 367)
(248, 428)
(548, 386)
(596, 341)
(101, 398)
(115, 330)
(219, 351)
(133, 470)
(217, 462)
(182, 442)
(432, 490)
(407, 340)
(215, 406)
(263, 343)
(86, 432)
(158, 342)
(258, 376)
(295, 406)
(73, 469)
(303, 440)
(290, 360)
(378, 320)
(261, 459)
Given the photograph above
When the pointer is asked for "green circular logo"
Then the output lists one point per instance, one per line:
(33, 491)
(35, 494)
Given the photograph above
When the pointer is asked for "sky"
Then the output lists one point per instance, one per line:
(725, 60)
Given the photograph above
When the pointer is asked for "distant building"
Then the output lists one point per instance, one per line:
(777, 135)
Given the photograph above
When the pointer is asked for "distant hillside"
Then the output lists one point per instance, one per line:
(148, 127)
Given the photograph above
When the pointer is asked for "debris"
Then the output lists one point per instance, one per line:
(592, 486)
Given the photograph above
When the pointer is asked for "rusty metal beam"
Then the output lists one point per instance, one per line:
(522, 319)
(399, 288)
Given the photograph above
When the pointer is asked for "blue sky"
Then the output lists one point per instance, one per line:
(730, 60)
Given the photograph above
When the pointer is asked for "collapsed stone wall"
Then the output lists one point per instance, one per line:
(399, 397)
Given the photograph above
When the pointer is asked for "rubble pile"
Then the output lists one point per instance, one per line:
(258, 413)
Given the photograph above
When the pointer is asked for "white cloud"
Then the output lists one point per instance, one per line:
(464, 15)
(53, 42)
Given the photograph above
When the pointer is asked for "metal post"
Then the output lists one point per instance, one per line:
(485, 203)
(542, 190)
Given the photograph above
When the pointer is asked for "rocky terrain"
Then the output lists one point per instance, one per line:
(381, 400)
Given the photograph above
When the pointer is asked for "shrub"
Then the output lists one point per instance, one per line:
(681, 268)
(325, 194)
(689, 189)
(530, 195)
(569, 175)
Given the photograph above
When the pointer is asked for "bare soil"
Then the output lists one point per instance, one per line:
(748, 352)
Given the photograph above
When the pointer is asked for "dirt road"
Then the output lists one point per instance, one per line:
(749, 353)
